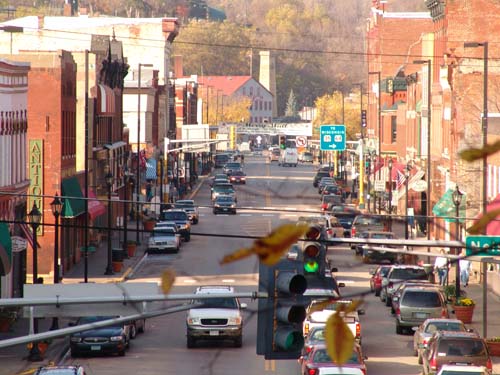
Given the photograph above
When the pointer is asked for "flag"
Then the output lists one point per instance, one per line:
(400, 179)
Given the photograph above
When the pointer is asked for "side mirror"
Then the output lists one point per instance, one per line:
(341, 285)
(395, 299)
(243, 305)
(361, 312)
(334, 269)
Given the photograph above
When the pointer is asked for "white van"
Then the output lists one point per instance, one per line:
(289, 157)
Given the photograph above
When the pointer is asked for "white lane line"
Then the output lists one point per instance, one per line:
(245, 214)
(290, 215)
(270, 215)
(189, 281)
(228, 280)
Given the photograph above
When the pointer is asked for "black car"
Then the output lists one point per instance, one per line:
(346, 219)
(181, 218)
(319, 175)
(112, 339)
(224, 203)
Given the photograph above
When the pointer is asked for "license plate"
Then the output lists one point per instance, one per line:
(421, 315)
(214, 333)
(224, 209)
(95, 347)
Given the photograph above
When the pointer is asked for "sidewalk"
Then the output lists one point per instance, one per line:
(14, 360)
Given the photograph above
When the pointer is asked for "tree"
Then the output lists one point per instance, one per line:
(291, 105)
(329, 110)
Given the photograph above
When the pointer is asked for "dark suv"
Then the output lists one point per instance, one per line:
(452, 347)
(319, 175)
(181, 218)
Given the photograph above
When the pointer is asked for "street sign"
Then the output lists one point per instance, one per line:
(301, 141)
(379, 185)
(332, 138)
(489, 244)
(420, 186)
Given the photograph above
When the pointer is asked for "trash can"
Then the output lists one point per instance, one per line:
(117, 255)
(429, 269)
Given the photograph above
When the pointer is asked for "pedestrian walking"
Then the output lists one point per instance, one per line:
(441, 267)
(465, 268)
(242, 159)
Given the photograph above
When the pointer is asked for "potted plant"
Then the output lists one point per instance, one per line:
(149, 223)
(493, 346)
(8, 316)
(464, 309)
(131, 248)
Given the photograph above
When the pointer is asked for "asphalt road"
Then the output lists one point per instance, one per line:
(282, 191)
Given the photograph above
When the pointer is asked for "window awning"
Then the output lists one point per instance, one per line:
(5, 250)
(95, 206)
(73, 205)
(446, 208)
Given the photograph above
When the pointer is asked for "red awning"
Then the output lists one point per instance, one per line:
(95, 206)
(493, 227)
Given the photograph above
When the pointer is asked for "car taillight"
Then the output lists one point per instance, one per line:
(397, 312)
(312, 371)
(353, 232)
(364, 371)
(324, 206)
(444, 313)
(432, 364)
(358, 330)
(329, 231)
(306, 329)
(390, 285)
(308, 349)
(489, 365)
(424, 342)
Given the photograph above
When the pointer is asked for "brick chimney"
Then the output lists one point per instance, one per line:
(178, 70)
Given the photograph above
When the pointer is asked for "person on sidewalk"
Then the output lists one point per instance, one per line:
(465, 268)
(441, 267)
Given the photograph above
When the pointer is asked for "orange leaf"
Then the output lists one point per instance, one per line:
(473, 154)
(339, 339)
(167, 280)
(480, 225)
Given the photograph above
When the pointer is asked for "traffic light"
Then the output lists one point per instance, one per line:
(280, 316)
(314, 254)
(363, 118)
(282, 142)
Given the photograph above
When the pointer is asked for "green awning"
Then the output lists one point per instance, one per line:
(5, 250)
(74, 206)
(446, 208)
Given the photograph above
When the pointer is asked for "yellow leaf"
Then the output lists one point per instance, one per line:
(167, 280)
(269, 249)
(353, 306)
(473, 154)
(480, 225)
(339, 339)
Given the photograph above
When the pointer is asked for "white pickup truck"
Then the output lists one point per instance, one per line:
(315, 317)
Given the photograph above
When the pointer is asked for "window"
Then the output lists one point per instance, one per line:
(244, 91)
(394, 129)
(251, 91)
(260, 105)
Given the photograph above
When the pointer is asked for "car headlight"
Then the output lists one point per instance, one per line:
(76, 339)
(116, 338)
(234, 321)
(193, 321)
(233, 206)
(217, 205)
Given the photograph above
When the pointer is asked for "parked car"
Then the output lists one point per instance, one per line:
(181, 218)
(462, 370)
(402, 286)
(332, 189)
(319, 359)
(376, 279)
(366, 222)
(191, 209)
(163, 239)
(329, 200)
(319, 175)
(452, 347)
(215, 318)
(238, 177)
(225, 204)
(416, 304)
(60, 370)
(325, 181)
(396, 275)
(307, 157)
(274, 155)
(332, 226)
(220, 160)
(346, 219)
(377, 256)
(424, 332)
(113, 339)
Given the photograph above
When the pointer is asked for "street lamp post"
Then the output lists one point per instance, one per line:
(368, 169)
(125, 197)
(485, 119)
(407, 178)
(379, 131)
(138, 182)
(56, 206)
(361, 162)
(457, 200)
(161, 158)
(109, 182)
(390, 193)
(35, 217)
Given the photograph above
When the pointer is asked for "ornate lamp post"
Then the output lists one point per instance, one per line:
(390, 193)
(161, 159)
(125, 197)
(368, 169)
(109, 182)
(56, 206)
(407, 178)
(35, 217)
(457, 200)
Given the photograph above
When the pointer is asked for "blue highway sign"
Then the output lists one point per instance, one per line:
(332, 138)
(482, 245)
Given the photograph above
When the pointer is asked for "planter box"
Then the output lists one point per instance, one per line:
(464, 313)
(494, 348)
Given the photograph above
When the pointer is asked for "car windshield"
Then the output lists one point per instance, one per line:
(367, 220)
(233, 165)
(163, 231)
(224, 199)
(221, 188)
(384, 271)
(318, 334)
(462, 347)
(459, 372)
(444, 326)
(220, 303)
(94, 319)
(420, 298)
(408, 274)
(185, 203)
(56, 371)
(382, 235)
(321, 356)
(313, 220)
(174, 215)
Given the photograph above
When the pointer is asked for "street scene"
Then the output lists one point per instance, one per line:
(254, 201)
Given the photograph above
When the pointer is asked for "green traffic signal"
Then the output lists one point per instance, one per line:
(311, 266)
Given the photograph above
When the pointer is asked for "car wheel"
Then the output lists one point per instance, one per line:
(142, 328)
(215, 212)
(377, 292)
(387, 301)
(415, 352)
(121, 353)
(188, 238)
(399, 329)
(382, 296)
(133, 331)
(195, 221)
(191, 342)
(177, 249)
(238, 343)
(392, 310)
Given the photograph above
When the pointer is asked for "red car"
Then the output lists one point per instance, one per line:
(376, 279)
(318, 358)
(237, 177)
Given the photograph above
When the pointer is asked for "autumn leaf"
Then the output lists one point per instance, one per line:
(167, 280)
(473, 154)
(480, 225)
(339, 339)
(269, 249)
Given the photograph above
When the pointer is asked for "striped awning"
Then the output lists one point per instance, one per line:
(105, 100)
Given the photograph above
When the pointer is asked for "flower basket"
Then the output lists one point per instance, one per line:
(131, 248)
(149, 224)
(464, 309)
(494, 346)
